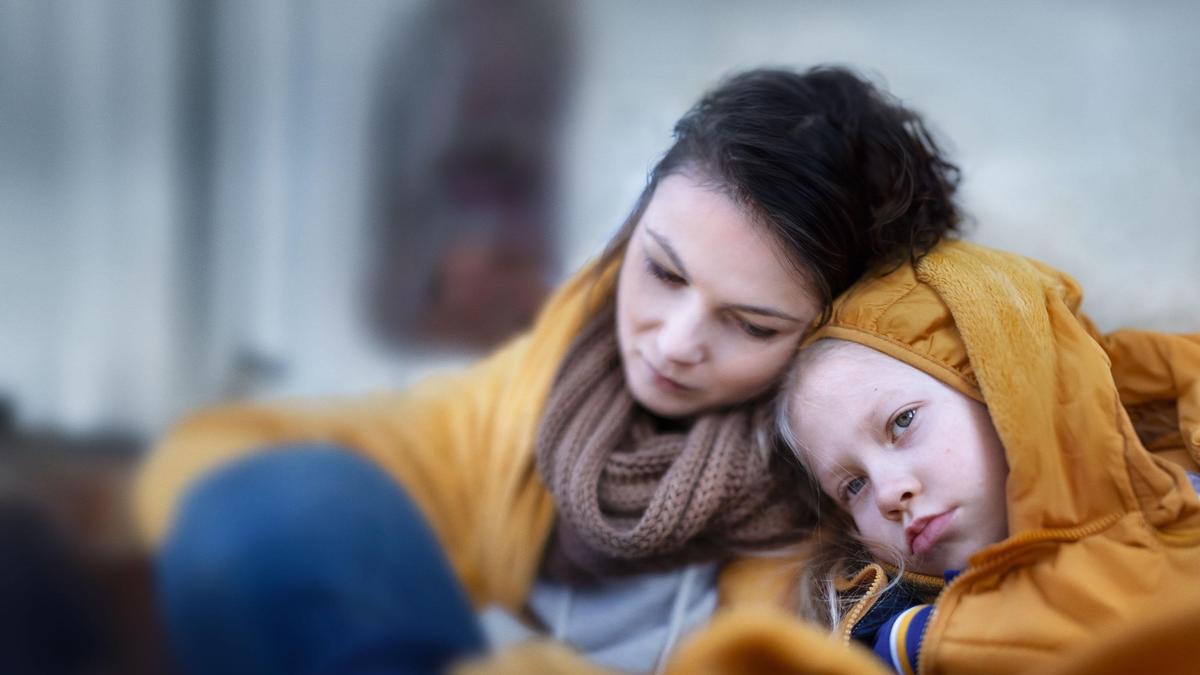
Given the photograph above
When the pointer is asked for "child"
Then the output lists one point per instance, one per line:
(1048, 517)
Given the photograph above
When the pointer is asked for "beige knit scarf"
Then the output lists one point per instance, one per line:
(632, 497)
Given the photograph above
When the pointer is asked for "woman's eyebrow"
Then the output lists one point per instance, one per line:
(765, 311)
(669, 250)
(749, 309)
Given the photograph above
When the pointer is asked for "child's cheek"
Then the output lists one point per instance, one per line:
(875, 537)
(882, 553)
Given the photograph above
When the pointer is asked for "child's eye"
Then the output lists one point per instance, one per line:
(852, 487)
(756, 332)
(663, 274)
(903, 421)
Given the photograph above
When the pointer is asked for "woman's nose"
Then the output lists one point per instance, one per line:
(680, 337)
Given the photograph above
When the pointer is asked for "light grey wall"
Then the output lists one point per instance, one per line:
(1077, 125)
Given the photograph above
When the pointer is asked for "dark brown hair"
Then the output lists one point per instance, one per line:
(838, 171)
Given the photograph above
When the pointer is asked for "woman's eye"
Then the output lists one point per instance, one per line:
(663, 274)
(903, 421)
(756, 332)
(852, 487)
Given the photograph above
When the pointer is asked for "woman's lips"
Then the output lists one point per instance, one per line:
(924, 533)
(663, 382)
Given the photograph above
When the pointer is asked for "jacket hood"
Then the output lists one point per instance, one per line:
(1006, 331)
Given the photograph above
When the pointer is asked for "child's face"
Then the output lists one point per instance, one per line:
(917, 464)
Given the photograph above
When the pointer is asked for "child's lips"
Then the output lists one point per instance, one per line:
(923, 533)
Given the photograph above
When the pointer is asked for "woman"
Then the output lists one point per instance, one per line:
(597, 473)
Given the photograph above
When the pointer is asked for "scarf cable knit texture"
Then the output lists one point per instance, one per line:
(632, 497)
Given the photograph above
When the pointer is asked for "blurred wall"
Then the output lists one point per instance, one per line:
(183, 185)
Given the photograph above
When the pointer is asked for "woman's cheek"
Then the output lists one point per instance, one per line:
(772, 360)
(754, 370)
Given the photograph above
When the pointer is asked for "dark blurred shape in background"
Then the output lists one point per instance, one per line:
(76, 590)
(49, 622)
(464, 148)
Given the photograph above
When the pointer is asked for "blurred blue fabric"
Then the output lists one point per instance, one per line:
(309, 560)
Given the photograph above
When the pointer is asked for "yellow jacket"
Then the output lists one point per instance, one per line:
(1102, 531)
(462, 446)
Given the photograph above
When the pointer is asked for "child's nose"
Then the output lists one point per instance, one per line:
(894, 495)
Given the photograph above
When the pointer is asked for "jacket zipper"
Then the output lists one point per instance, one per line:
(860, 608)
(884, 573)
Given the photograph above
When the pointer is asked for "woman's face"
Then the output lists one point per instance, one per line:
(709, 311)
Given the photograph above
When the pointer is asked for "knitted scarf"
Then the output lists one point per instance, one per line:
(632, 497)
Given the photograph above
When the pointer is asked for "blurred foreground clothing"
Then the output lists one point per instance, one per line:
(310, 561)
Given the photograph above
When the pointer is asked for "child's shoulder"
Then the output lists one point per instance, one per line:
(895, 622)
(892, 601)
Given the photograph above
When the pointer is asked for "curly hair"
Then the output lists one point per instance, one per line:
(838, 171)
